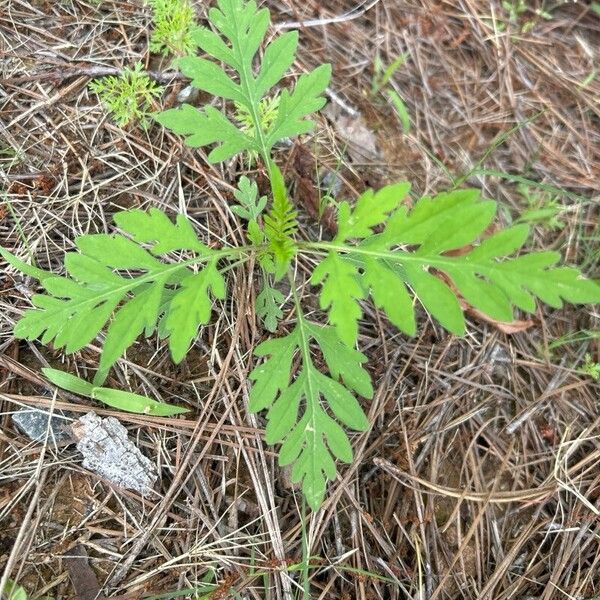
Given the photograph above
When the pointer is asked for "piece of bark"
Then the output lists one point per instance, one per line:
(108, 452)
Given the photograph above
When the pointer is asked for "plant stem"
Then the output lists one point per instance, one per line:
(305, 553)
(395, 256)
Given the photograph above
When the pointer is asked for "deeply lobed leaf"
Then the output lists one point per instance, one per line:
(314, 439)
(202, 128)
(191, 307)
(239, 29)
(120, 282)
(480, 272)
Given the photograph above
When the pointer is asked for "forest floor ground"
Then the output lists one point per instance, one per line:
(479, 476)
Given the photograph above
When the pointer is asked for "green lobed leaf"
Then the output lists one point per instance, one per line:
(342, 403)
(480, 272)
(389, 293)
(154, 227)
(116, 252)
(212, 44)
(502, 243)
(72, 313)
(344, 363)
(340, 292)
(137, 315)
(428, 217)
(239, 30)
(272, 376)
(371, 209)
(202, 128)
(283, 413)
(268, 308)
(192, 307)
(278, 58)
(114, 276)
(437, 298)
(294, 107)
(311, 439)
(210, 77)
(251, 206)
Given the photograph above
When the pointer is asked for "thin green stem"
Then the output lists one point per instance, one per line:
(305, 553)
(396, 256)
(307, 361)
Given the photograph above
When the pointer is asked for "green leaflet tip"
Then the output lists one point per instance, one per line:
(23, 267)
(68, 382)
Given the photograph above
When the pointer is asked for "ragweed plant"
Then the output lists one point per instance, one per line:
(310, 377)
(173, 26)
(542, 208)
(127, 97)
(590, 367)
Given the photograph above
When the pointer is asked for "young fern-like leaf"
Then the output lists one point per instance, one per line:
(268, 304)
(191, 306)
(359, 262)
(281, 225)
(250, 205)
(305, 410)
(239, 28)
(121, 282)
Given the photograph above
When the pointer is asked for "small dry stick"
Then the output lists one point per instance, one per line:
(355, 13)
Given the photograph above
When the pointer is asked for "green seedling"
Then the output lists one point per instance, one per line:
(380, 84)
(382, 74)
(310, 377)
(590, 367)
(542, 208)
(173, 26)
(127, 97)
